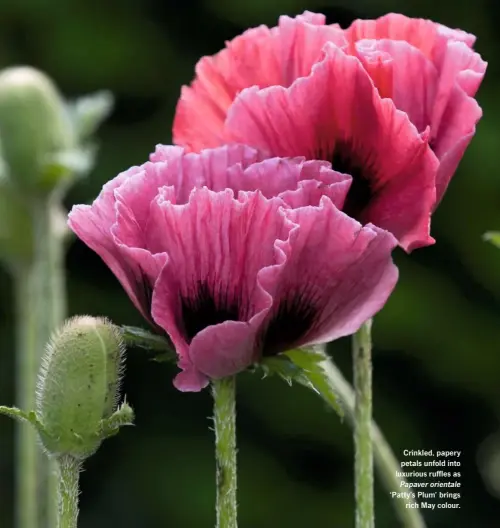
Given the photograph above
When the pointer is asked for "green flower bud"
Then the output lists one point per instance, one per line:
(78, 387)
(34, 129)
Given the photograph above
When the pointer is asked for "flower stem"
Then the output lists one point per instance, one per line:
(39, 287)
(69, 473)
(386, 463)
(224, 391)
(26, 371)
(363, 447)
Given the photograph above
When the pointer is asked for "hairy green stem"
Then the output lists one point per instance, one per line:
(385, 461)
(68, 473)
(39, 286)
(363, 447)
(224, 392)
(26, 372)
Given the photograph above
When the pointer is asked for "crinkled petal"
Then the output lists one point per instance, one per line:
(130, 231)
(441, 100)
(228, 155)
(338, 274)
(464, 66)
(456, 130)
(186, 171)
(461, 68)
(225, 349)
(208, 298)
(403, 73)
(377, 63)
(301, 42)
(430, 38)
(239, 167)
(317, 19)
(457, 35)
(336, 114)
(250, 59)
(259, 57)
(296, 181)
(190, 380)
(93, 225)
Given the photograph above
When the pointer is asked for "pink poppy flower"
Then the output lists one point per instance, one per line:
(236, 258)
(259, 57)
(305, 88)
(431, 72)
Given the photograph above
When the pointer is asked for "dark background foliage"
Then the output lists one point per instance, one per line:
(437, 361)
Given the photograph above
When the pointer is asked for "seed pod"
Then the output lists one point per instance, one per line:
(34, 126)
(79, 385)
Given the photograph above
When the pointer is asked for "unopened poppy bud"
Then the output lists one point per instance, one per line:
(78, 387)
(34, 128)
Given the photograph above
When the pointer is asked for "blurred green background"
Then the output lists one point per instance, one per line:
(437, 342)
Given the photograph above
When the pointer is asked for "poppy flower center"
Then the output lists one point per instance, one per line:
(293, 319)
(205, 308)
(360, 193)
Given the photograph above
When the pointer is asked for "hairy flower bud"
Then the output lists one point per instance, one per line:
(78, 387)
(35, 128)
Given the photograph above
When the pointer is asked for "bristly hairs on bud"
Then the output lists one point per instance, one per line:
(49, 352)
(78, 388)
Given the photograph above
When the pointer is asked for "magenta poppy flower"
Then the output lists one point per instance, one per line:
(236, 258)
(305, 88)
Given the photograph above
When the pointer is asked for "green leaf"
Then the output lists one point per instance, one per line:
(165, 357)
(282, 366)
(62, 167)
(304, 366)
(89, 111)
(138, 337)
(493, 237)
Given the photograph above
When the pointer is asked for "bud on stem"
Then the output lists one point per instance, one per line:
(34, 127)
(78, 387)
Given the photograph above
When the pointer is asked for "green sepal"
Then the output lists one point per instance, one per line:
(15, 413)
(303, 366)
(138, 337)
(23, 416)
(123, 416)
(88, 112)
(493, 237)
